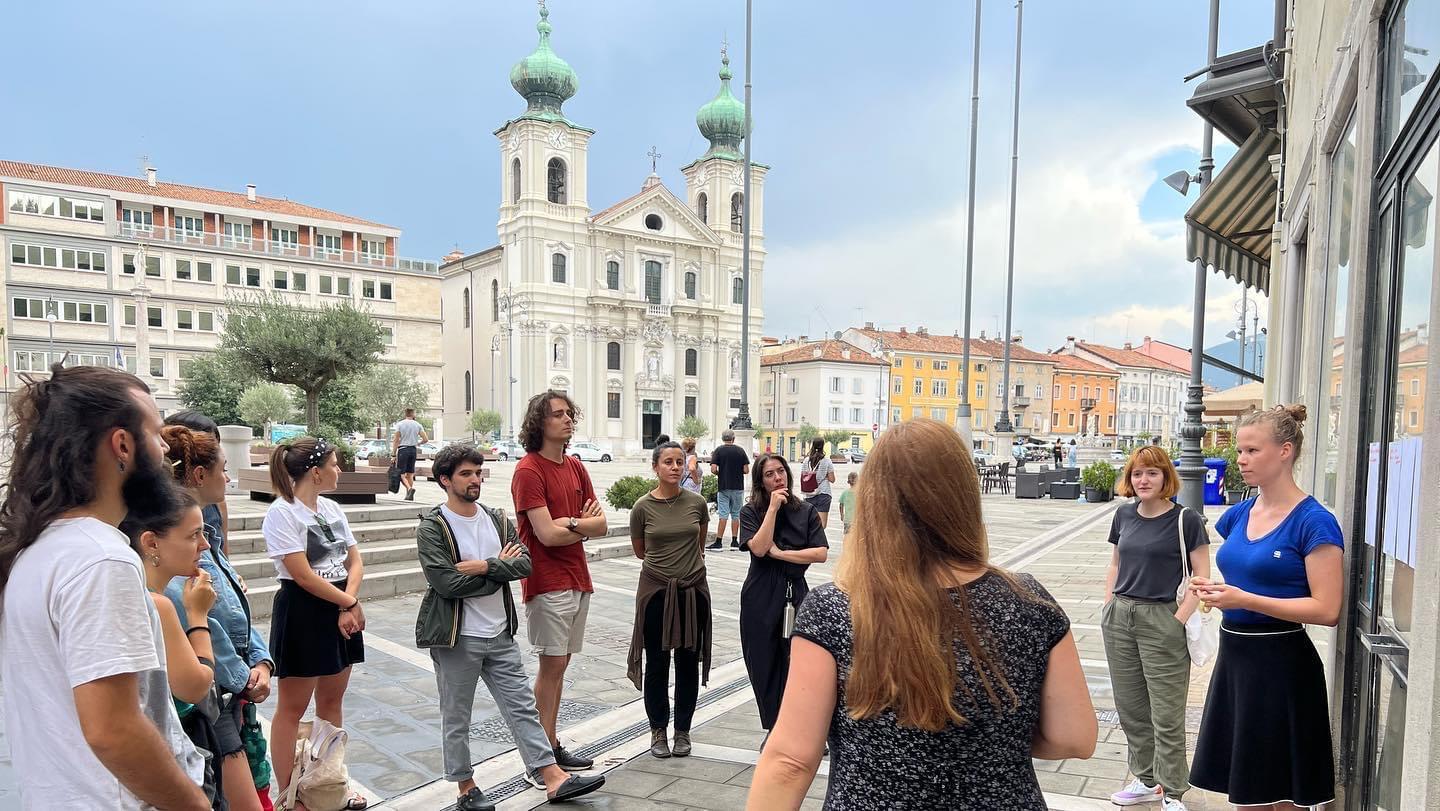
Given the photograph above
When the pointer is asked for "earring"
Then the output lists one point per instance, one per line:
(122, 467)
(154, 560)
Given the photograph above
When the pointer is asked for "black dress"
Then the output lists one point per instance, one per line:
(762, 600)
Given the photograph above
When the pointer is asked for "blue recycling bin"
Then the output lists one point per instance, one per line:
(1215, 481)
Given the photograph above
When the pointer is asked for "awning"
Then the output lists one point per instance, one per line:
(1230, 225)
(1239, 96)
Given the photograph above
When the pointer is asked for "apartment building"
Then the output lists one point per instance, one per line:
(1083, 397)
(1151, 396)
(832, 385)
(135, 272)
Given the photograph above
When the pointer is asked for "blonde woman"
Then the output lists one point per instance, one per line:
(1144, 627)
(936, 676)
(1265, 736)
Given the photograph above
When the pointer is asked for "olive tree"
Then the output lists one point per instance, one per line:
(383, 393)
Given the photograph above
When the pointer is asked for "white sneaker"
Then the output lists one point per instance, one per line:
(1167, 804)
(1137, 792)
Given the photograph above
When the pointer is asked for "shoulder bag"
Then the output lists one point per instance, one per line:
(809, 483)
(1202, 632)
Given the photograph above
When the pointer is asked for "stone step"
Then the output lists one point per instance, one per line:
(355, 513)
(251, 541)
(392, 577)
(256, 566)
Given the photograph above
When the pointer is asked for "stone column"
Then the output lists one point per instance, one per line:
(235, 439)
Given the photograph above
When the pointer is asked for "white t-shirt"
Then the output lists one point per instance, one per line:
(290, 526)
(75, 611)
(477, 540)
(409, 431)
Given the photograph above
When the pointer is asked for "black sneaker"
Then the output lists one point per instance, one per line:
(735, 544)
(568, 760)
(717, 546)
(534, 779)
(474, 800)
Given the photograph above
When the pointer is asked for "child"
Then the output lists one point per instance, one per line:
(847, 502)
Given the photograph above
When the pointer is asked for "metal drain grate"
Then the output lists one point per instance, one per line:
(517, 785)
(571, 712)
(1111, 718)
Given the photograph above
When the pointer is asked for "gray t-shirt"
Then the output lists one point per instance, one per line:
(1150, 565)
(409, 431)
(822, 473)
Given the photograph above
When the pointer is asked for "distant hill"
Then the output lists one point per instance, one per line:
(1229, 351)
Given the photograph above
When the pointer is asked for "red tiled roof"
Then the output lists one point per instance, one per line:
(1128, 357)
(1074, 363)
(953, 345)
(194, 194)
(830, 351)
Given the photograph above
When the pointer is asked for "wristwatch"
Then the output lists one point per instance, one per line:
(574, 522)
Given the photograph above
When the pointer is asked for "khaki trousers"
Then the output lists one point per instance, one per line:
(1150, 673)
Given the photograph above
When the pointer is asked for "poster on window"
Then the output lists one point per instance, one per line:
(1395, 486)
(1372, 493)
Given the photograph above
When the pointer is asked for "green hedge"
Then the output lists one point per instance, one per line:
(623, 494)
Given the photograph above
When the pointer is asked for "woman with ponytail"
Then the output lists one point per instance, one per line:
(242, 659)
(936, 675)
(817, 473)
(1265, 735)
(316, 621)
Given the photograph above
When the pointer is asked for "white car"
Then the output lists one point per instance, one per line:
(507, 449)
(371, 446)
(588, 452)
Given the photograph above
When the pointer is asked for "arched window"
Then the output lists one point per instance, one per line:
(469, 395)
(612, 275)
(515, 181)
(737, 291)
(494, 299)
(737, 209)
(465, 304)
(690, 284)
(612, 356)
(692, 363)
(558, 352)
(702, 207)
(557, 268)
(555, 181)
(652, 282)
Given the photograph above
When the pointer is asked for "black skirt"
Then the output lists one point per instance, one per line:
(1265, 734)
(305, 638)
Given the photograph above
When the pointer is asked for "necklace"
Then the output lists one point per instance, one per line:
(666, 501)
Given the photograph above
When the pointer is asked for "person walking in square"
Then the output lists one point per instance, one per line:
(557, 511)
(847, 502)
(1144, 626)
(817, 474)
(405, 447)
(1057, 453)
(672, 600)
(470, 555)
(730, 464)
(783, 536)
(690, 476)
(1265, 735)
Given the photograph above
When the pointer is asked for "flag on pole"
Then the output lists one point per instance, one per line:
(120, 360)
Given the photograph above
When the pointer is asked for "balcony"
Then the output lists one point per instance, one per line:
(261, 247)
(1020, 401)
(1088, 404)
(657, 310)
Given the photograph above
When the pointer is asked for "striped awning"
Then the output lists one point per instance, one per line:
(1230, 225)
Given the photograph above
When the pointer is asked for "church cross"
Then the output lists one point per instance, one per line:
(654, 156)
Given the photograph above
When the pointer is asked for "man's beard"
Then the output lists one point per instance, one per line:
(149, 490)
(464, 494)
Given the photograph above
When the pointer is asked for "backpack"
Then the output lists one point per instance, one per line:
(320, 779)
(809, 483)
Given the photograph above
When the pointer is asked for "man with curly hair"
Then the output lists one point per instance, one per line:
(557, 511)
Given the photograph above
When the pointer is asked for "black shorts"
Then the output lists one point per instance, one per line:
(820, 501)
(405, 459)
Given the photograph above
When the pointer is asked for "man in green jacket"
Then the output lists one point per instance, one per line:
(469, 554)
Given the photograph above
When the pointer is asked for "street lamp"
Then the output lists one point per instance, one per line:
(967, 429)
(1002, 424)
(742, 419)
(51, 316)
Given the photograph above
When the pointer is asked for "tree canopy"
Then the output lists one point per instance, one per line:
(692, 428)
(383, 392)
(213, 389)
(485, 421)
(264, 404)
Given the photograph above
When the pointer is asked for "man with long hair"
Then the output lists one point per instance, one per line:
(557, 511)
(87, 707)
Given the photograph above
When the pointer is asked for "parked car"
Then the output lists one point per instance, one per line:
(507, 449)
(370, 446)
(427, 450)
(588, 452)
(855, 455)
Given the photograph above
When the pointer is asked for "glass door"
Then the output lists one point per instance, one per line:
(1390, 485)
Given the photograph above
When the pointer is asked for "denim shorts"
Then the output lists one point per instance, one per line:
(729, 502)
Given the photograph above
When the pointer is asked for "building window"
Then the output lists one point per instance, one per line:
(134, 221)
(737, 291)
(284, 240)
(612, 356)
(129, 315)
(612, 275)
(837, 385)
(857, 415)
(790, 415)
(494, 300)
(155, 316)
(919, 386)
(653, 222)
(188, 226)
(652, 281)
(1086, 391)
(515, 181)
(555, 181)
(794, 385)
(557, 268)
(465, 310)
(834, 415)
(899, 385)
(737, 211)
(612, 405)
(939, 388)
(183, 269)
(157, 366)
(702, 207)
(690, 284)
(1110, 419)
(327, 244)
(979, 391)
(372, 250)
(252, 277)
(185, 319)
(692, 363)
(1072, 392)
(71, 259)
(856, 386)
(298, 281)
(692, 404)
(238, 234)
(899, 363)
(894, 415)
(1070, 419)
(734, 403)
(1056, 394)
(940, 414)
(1111, 393)
(281, 279)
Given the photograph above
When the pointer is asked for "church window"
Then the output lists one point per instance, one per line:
(557, 268)
(652, 282)
(702, 207)
(692, 363)
(465, 304)
(653, 222)
(612, 356)
(515, 181)
(612, 275)
(494, 300)
(555, 181)
(690, 283)
(737, 291)
(469, 398)
(737, 208)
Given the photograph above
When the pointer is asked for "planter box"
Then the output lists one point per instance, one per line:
(1031, 485)
(1065, 491)
(1234, 496)
(358, 487)
(1094, 496)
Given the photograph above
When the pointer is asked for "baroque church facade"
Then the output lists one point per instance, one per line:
(634, 310)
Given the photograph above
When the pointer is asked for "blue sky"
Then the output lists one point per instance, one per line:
(385, 111)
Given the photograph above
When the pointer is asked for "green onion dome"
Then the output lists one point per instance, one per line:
(722, 120)
(543, 78)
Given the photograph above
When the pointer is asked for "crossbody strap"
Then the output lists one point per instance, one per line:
(1184, 553)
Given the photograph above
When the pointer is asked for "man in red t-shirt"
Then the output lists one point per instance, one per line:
(557, 510)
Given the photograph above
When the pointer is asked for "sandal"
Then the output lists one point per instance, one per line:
(357, 802)
(575, 787)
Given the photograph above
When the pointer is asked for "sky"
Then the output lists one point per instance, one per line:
(385, 110)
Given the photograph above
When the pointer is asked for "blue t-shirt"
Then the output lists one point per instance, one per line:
(1274, 564)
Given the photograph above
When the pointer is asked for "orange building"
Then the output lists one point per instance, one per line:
(1083, 399)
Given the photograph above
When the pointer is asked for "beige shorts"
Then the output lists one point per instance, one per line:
(556, 622)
